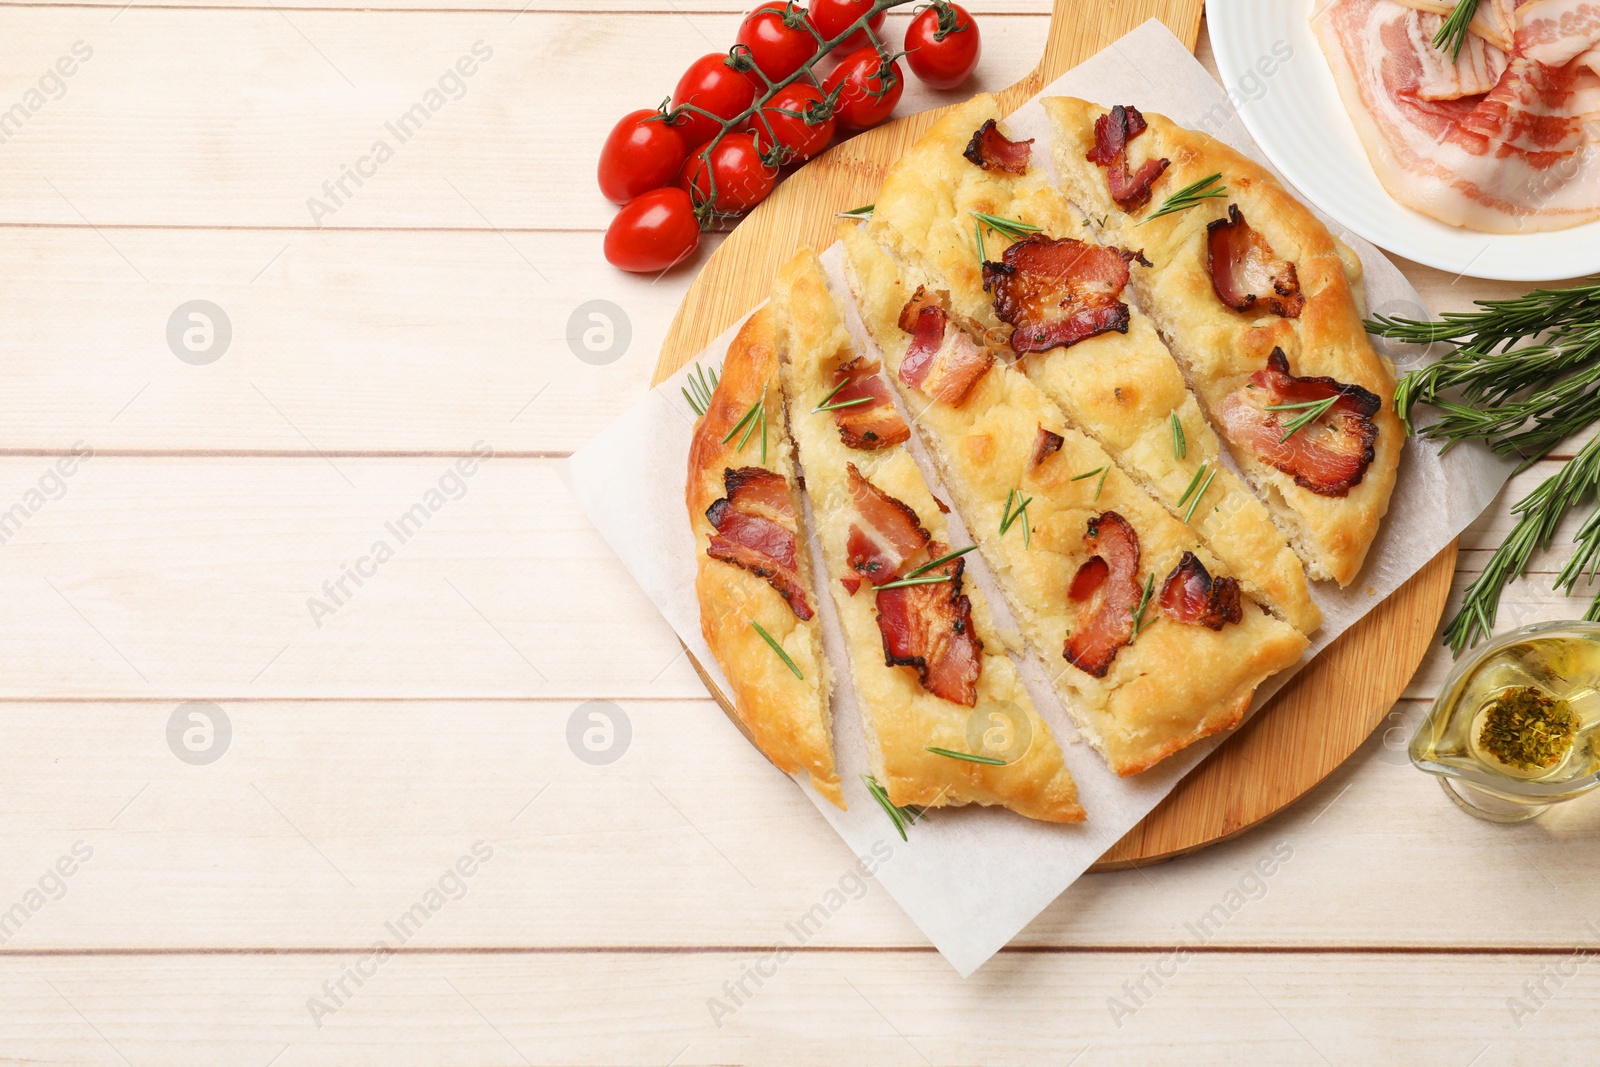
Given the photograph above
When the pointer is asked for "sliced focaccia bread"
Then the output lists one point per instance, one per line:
(1261, 304)
(757, 600)
(1155, 644)
(970, 214)
(934, 684)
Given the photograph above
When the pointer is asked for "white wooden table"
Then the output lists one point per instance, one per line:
(224, 912)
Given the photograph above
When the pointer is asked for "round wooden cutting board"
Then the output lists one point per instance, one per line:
(1320, 717)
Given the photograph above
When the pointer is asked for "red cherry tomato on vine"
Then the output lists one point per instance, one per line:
(942, 45)
(833, 17)
(712, 83)
(871, 89)
(787, 114)
(778, 48)
(742, 179)
(641, 153)
(653, 232)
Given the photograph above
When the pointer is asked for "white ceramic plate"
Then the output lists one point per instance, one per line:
(1293, 110)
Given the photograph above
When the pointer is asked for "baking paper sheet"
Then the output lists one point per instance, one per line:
(972, 878)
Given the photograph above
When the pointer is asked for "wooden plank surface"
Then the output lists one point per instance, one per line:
(368, 755)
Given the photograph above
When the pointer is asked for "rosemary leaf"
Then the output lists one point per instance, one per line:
(941, 561)
(1453, 32)
(901, 817)
(967, 756)
(1198, 474)
(1089, 474)
(743, 420)
(1102, 483)
(1187, 515)
(1207, 188)
(977, 232)
(1310, 412)
(862, 212)
(845, 404)
(831, 394)
(1180, 446)
(1012, 229)
(787, 662)
(901, 583)
(1144, 602)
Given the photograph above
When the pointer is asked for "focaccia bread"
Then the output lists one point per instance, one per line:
(929, 672)
(1260, 303)
(755, 572)
(1100, 359)
(1155, 645)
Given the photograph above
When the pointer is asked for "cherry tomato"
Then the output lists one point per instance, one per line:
(653, 232)
(712, 83)
(833, 17)
(943, 46)
(641, 153)
(796, 117)
(777, 48)
(871, 89)
(742, 179)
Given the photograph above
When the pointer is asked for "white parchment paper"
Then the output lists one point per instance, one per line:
(972, 878)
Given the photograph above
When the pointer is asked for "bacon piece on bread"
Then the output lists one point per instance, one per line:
(756, 526)
(1191, 595)
(888, 535)
(1105, 622)
(941, 362)
(995, 152)
(863, 409)
(1329, 456)
(929, 628)
(1112, 133)
(1057, 292)
(1244, 270)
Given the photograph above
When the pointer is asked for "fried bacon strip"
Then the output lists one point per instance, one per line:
(1057, 292)
(1112, 132)
(929, 627)
(888, 537)
(943, 363)
(1110, 594)
(872, 422)
(1244, 269)
(1191, 595)
(756, 527)
(995, 152)
(1046, 445)
(1328, 457)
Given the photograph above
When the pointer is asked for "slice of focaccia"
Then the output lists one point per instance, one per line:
(933, 681)
(1259, 302)
(758, 607)
(1053, 297)
(1153, 642)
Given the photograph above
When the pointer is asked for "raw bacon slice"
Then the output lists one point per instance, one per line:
(1244, 269)
(945, 364)
(889, 535)
(1476, 70)
(1513, 160)
(1058, 292)
(1046, 445)
(873, 423)
(1493, 22)
(1105, 622)
(1191, 595)
(994, 151)
(1112, 133)
(929, 627)
(756, 529)
(1330, 456)
(1555, 32)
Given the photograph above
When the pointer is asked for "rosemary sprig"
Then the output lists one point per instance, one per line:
(969, 757)
(787, 662)
(744, 421)
(901, 817)
(1011, 229)
(831, 394)
(1522, 375)
(901, 583)
(1310, 411)
(1187, 515)
(1199, 473)
(1009, 517)
(698, 391)
(862, 212)
(1207, 188)
(1453, 33)
(1144, 602)
(941, 561)
(1180, 446)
